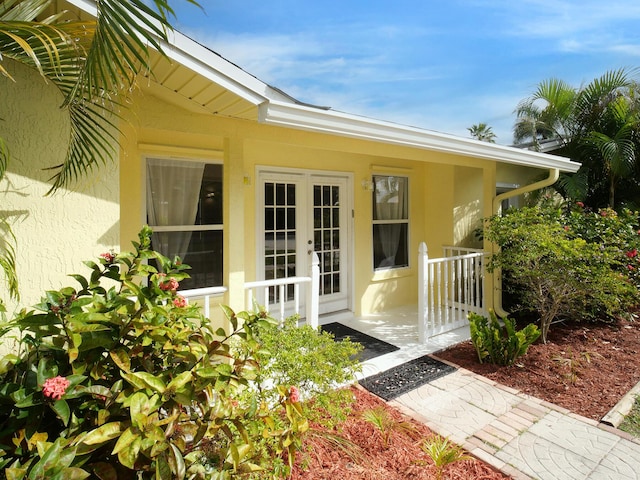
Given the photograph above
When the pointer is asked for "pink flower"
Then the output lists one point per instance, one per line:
(630, 267)
(580, 204)
(55, 387)
(294, 394)
(108, 256)
(180, 301)
(566, 228)
(633, 253)
(169, 285)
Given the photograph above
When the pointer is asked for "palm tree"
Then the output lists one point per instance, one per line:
(482, 132)
(596, 125)
(94, 64)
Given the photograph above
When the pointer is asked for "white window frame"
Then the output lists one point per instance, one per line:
(181, 228)
(391, 222)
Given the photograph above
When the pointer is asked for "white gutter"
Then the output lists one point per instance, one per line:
(332, 122)
(554, 174)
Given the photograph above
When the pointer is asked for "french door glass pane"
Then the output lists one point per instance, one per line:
(326, 235)
(280, 234)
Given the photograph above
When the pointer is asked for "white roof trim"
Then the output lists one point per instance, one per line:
(275, 111)
(344, 124)
(202, 61)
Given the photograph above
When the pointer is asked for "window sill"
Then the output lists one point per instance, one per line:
(392, 273)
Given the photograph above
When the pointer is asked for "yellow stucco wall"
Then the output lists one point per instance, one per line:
(54, 233)
(444, 190)
(448, 194)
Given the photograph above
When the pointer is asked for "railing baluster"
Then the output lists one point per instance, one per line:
(449, 288)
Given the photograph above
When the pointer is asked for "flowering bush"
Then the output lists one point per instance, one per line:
(614, 232)
(128, 381)
(55, 387)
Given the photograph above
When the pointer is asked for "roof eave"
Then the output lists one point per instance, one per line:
(203, 61)
(339, 123)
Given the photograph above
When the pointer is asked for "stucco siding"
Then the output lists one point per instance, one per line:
(54, 233)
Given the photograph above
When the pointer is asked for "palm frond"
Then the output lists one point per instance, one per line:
(4, 157)
(22, 10)
(8, 258)
(574, 186)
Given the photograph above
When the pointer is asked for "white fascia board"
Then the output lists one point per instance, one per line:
(202, 61)
(338, 123)
(215, 68)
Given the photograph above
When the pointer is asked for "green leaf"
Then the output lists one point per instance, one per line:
(121, 359)
(49, 459)
(179, 381)
(105, 471)
(176, 461)
(71, 473)
(43, 372)
(62, 410)
(81, 280)
(128, 456)
(15, 473)
(102, 434)
(126, 439)
(145, 380)
(207, 372)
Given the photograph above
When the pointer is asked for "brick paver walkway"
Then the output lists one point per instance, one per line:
(522, 436)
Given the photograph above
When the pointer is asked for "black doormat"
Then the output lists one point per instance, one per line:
(372, 346)
(406, 377)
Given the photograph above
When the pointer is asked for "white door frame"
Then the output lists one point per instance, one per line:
(304, 223)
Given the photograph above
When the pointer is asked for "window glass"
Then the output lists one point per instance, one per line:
(390, 222)
(184, 210)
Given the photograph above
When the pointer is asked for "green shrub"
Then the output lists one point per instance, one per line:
(498, 344)
(127, 381)
(556, 272)
(311, 360)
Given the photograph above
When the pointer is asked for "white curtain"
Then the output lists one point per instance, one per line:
(390, 204)
(173, 192)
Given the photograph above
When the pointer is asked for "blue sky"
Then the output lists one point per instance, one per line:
(439, 65)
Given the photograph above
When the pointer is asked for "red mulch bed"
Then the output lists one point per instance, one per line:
(584, 367)
(400, 458)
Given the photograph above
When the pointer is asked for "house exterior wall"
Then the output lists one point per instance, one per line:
(54, 233)
(445, 190)
(449, 195)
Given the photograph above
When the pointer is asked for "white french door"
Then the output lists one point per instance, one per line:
(301, 213)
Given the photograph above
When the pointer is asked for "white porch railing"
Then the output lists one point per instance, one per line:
(205, 294)
(449, 289)
(280, 290)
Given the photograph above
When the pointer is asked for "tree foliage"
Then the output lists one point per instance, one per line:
(558, 265)
(482, 132)
(597, 125)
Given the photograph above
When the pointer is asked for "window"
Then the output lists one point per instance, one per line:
(184, 210)
(390, 222)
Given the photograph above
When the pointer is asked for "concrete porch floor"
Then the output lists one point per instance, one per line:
(398, 327)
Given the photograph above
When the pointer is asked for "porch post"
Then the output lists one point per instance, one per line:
(423, 258)
(234, 220)
(313, 291)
